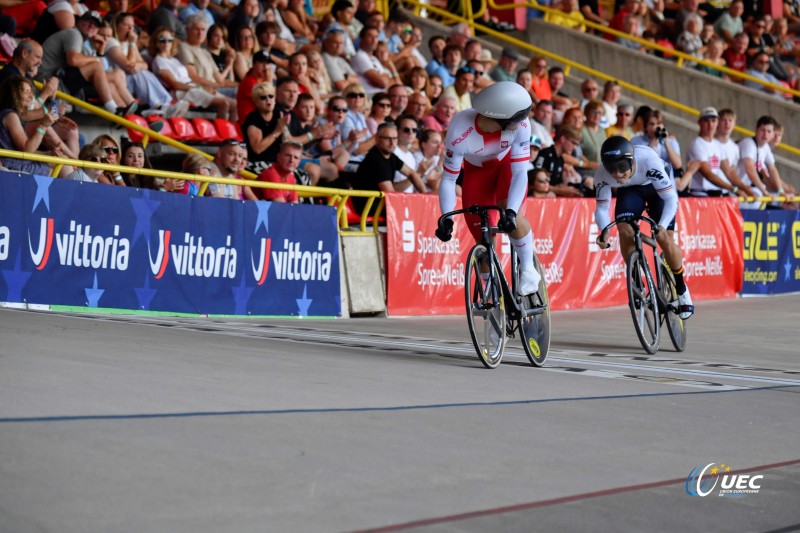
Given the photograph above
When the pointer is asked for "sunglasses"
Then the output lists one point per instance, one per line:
(542, 181)
(383, 104)
(356, 95)
(111, 149)
(385, 138)
(266, 97)
(166, 40)
(406, 129)
(97, 159)
(620, 113)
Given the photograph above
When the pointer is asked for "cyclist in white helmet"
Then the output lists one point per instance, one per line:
(491, 144)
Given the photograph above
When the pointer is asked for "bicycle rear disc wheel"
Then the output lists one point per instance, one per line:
(676, 326)
(486, 314)
(643, 302)
(534, 326)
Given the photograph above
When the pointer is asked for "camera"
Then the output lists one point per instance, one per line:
(661, 133)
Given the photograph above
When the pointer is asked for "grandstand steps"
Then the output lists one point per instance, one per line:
(686, 86)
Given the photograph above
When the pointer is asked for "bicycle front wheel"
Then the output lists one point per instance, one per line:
(676, 326)
(486, 314)
(643, 302)
(534, 325)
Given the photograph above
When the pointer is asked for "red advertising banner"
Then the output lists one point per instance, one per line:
(426, 276)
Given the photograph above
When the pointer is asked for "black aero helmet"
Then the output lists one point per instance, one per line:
(617, 154)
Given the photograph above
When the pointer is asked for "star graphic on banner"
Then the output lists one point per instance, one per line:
(93, 293)
(783, 228)
(144, 208)
(16, 280)
(43, 184)
(263, 210)
(145, 294)
(241, 295)
(787, 266)
(304, 303)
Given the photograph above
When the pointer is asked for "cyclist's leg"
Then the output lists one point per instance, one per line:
(477, 188)
(630, 202)
(521, 238)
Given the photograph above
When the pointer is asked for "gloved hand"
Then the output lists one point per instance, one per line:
(508, 221)
(445, 230)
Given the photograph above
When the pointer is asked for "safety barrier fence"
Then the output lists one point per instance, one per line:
(74, 244)
(415, 6)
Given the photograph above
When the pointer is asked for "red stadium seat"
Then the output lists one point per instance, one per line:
(134, 135)
(206, 131)
(166, 130)
(183, 129)
(228, 130)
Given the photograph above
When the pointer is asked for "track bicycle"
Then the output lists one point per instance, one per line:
(494, 309)
(651, 305)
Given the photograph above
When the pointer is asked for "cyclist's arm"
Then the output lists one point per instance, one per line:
(520, 156)
(451, 167)
(602, 203)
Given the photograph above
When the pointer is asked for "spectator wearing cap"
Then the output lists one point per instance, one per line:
(506, 67)
(564, 181)
(339, 70)
(462, 88)
(374, 76)
(260, 73)
(166, 16)
(568, 15)
(63, 50)
(451, 61)
(712, 177)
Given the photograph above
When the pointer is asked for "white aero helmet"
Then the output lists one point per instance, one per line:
(507, 102)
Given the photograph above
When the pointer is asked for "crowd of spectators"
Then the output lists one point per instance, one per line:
(353, 99)
(728, 34)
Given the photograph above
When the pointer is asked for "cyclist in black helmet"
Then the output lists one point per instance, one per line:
(642, 182)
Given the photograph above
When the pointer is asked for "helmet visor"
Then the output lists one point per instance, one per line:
(515, 119)
(618, 166)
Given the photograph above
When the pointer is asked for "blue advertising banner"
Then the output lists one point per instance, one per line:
(83, 244)
(771, 251)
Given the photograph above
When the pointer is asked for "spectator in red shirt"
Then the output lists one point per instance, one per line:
(736, 55)
(282, 171)
(260, 73)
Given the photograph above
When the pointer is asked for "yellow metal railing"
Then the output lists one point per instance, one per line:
(682, 56)
(569, 64)
(336, 197)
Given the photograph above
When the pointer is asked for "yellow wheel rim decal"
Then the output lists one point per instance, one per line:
(534, 346)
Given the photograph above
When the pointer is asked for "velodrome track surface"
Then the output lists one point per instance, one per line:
(116, 423)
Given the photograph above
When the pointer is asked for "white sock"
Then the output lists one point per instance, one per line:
(110, 106)
(524, 249)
